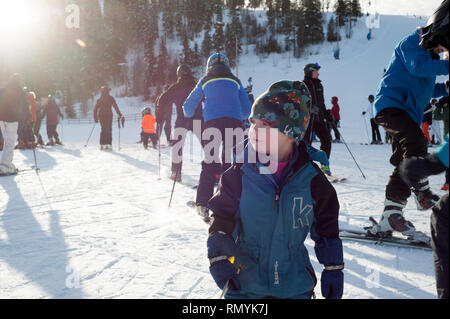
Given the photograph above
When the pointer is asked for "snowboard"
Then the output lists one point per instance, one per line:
(393, 240)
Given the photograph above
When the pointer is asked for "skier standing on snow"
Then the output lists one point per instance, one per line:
(148, 128)
(225, 105)
(263, 219)
(37, 124)
(335, 112)
(319, 118)
(441, 113)
(13, 107)
(52, 111)
(412, 171)
(25, 135)
(404, 91)
(376, 136)
(103, 113)
(177, 94)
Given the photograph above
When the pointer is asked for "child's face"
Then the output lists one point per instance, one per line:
(267, 139)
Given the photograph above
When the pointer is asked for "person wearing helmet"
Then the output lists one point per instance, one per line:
(376, 136)
(225, 106)
(13, 107)
(103, 113)
(52, 111)
(148, 127)
(177, 94)
(320, 119)
(405, 89)
(263, 219)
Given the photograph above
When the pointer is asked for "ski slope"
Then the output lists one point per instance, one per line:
(96, 224)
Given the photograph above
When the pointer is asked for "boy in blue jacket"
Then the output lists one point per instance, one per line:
(405, 89)
(225, 106)
(263, 219)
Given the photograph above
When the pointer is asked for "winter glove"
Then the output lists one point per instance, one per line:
(413, 169)
(363, 113)
(329, 253)
(220, 247)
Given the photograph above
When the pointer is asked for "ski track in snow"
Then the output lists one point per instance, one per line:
(106, 230)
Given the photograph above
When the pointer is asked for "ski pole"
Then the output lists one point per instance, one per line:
(343, 140)
(159, 153)
(118, 123)
(367, 132)
(90, 134)
(227, 284)
(173, 186)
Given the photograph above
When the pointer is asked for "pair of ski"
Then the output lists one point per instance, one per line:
(391, 239)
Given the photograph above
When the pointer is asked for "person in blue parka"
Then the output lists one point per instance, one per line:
(262, 217)
(405, 89)
(225, 106)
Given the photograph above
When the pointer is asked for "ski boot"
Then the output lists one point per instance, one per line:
(174, 176)
(50, 142)
(392, 220)
(203, 211)
(58, 142)
(19, 146)
(425, 199)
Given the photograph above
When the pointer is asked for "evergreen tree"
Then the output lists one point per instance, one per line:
(218, 37)
(206, 46)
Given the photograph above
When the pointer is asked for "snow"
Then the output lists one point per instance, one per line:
(97, 224)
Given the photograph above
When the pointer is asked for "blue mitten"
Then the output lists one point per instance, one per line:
(329, 253)
(220, 247)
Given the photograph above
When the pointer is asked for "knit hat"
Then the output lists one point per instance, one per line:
(286, 105)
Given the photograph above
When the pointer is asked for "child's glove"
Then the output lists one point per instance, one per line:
(329, 253)
(220, 247)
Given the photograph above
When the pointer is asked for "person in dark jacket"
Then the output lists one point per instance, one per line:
(52, 112)
(319, 118)
(261, 217)
(405, 89)
(103, 113)
(13, 107)
(376, 136)
(441, 113)
(414, 169)
(225, 107)
(177, 94)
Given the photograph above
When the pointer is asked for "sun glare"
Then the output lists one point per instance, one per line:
(18, 17)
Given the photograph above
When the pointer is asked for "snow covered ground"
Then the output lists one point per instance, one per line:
(97, 224)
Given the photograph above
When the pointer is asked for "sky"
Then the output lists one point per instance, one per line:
(402, 7)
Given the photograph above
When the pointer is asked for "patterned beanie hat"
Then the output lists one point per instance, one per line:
(286, 105)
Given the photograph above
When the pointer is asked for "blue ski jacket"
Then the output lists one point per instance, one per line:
(270, 222)
(410, 79)
(222, 94)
